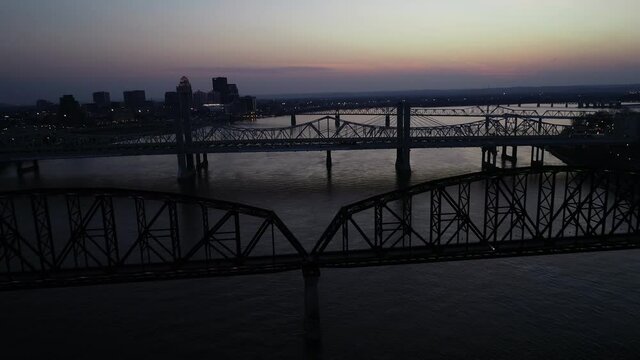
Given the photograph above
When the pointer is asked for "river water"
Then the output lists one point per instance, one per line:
(558, 307)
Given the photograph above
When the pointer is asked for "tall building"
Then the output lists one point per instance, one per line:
(211, 98)
(185, 94)
(134, 99)
(44, 104)
(102, 99)
(248, 105)
(69, 110)
(232, 93)
(171, 99)
(220, 90)
(199, 98)
(219, 84)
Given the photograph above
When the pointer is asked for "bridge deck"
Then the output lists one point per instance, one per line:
(304, 145)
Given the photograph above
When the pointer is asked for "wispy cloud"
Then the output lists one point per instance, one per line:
(249, 70)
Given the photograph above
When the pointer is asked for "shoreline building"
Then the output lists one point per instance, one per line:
(134, 99)
(102, 99)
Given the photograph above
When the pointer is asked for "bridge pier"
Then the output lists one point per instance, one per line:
(313, 334)
(21, 169)
(205, 161)
(329, 162)
(387, 120)
(293, 119)
(537, 156)
(183, 130)
(201, 163)
(489, 156)
(403, 163)
(513, 157)
(337, 122)
(184, 173)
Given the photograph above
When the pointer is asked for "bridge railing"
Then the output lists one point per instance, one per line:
(521, 211)
(62, 236)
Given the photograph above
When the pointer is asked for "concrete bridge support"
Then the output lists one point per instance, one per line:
(202, 164)
(293, 119)
(337, 122)
(313, 335)
(329, 162)
(537, 156)
(403, 163)
(489, 156)
(186, 168)
(22, 169)
(183, 171)
(387, 120)
(205, 161)
(511, 157)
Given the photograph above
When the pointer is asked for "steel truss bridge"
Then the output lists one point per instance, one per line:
(472, 111)
(499, 127)
(65, 237)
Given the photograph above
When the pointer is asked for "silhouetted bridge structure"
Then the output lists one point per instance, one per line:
(70, 237)
(52, 237)
(500, 126)
(471, 111)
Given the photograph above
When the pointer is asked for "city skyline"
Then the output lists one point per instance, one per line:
(312, 47)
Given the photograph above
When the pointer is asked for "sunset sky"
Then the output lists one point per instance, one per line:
(273, 46)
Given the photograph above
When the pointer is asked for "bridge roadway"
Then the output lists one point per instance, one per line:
(326, 133)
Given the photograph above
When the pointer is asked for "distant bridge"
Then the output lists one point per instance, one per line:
(472, 111)
(499, 127)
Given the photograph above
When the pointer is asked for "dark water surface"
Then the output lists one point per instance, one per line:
(581, 306)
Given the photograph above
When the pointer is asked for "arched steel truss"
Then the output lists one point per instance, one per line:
(59, 237)
(325, 133)
(505, 213)
(70, 236)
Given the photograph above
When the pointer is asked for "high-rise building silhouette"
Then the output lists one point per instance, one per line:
(199, 98)
(232, 93)
(248, 105)
(134, 99)
(69, 110)
(220, 90)
(102, 99)
(219, 84)
(44, 104)
(171, 99)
